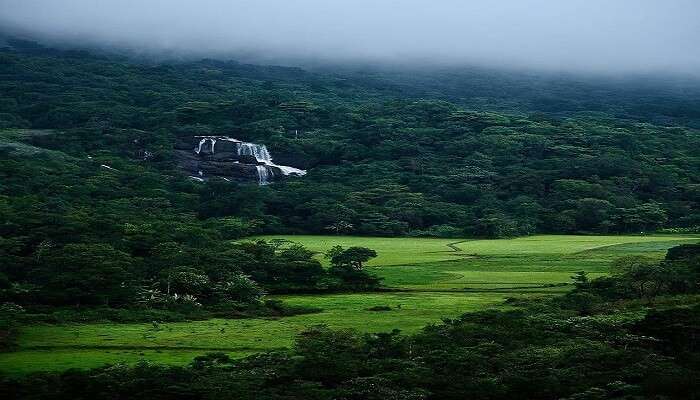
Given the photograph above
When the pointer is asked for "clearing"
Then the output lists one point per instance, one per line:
(429, 279)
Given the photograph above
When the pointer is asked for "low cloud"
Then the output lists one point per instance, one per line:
(575, 35)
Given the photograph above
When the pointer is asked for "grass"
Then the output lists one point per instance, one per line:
(403, 251)
(431, 279)
(391, 251)
(58, 347)
(452, 264)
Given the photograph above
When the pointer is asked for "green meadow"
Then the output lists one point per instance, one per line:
(500, 264)
(427, 279)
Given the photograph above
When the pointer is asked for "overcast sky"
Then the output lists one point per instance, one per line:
(588, 35)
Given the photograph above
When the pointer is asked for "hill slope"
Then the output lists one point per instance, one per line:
(381, 160)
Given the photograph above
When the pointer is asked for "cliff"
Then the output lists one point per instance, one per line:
(204, 157)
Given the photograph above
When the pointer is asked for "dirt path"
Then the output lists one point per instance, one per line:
(456, 249)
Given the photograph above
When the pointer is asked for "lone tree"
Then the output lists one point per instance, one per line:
(347, 266)
(581, 280)
(352, 257)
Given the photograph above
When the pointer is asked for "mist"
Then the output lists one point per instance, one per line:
(573, 35)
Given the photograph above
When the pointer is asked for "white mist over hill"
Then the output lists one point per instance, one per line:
(577, 35)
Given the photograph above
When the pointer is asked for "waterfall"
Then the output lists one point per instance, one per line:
(259, 151)
(287, 170)
(251, 149)
(198, 149)
(263, 174)
(266, 168)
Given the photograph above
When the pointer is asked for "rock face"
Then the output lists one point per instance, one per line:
(204, 157)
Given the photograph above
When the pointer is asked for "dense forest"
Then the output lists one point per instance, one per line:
(99, 220)
(385, 157)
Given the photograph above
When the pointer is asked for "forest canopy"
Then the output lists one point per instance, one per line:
(384, 155)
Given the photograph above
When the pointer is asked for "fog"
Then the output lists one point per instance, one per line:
(569, 35)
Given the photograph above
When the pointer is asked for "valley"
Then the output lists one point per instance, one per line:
(184, 223)
(426, 280)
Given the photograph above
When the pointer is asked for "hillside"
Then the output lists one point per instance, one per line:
(209, 229)
(349, 200)
(384, 156)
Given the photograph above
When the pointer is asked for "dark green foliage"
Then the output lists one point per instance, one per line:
(645, 278)
(95, 212)
(685, 252)
(577, 346)
(347, 266)
(83, 274)
(540, 352)
(678, 331)
(352, 257)
(10, 317)
(379, 308)
(387, 156)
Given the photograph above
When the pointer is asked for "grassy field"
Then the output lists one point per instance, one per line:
(391, 251)
(431, 278)
(504, 264)
(60, 347)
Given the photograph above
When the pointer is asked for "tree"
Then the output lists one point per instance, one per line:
(646, 217)
(581, 280)
(232, 227)
(330, 356)
(645, 276)
(687, 252)
(683, 262)
(240, 288)
(352, 257)
(86, 274)
(185, 280)
(495, 226)
(334, 252)
(348, 266)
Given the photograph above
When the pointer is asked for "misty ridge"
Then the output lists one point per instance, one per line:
(349, 200)
(591, 36)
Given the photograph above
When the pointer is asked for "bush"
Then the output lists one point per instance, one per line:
(379, 308)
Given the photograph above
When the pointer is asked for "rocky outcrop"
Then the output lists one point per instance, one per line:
(204, 157)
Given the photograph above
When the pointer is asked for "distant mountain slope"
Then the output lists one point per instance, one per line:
(385, 156)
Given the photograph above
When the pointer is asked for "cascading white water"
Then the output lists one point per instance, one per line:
(263, 174)
(287, 170)
(251, 149)
(259, 151)
(202, 142)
